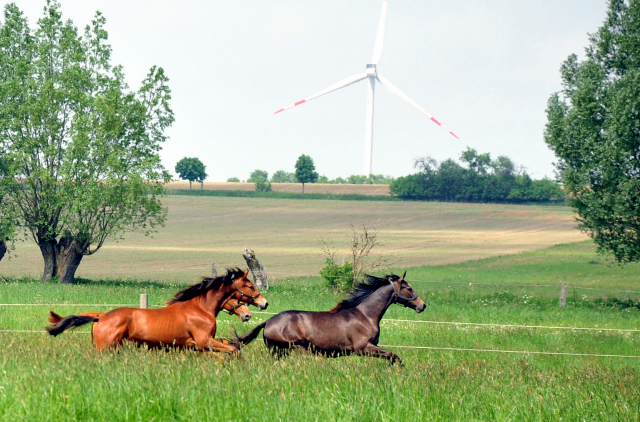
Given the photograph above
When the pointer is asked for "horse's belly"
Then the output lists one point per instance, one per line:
(156, 330)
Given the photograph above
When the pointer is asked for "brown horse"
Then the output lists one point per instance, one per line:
(188, 321)
(351, 327)
(233, 306)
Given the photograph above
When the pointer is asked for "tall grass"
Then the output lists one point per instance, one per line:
(63, 378)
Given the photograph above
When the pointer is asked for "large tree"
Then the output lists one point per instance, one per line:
(191, 169)
(594, 129)
(305, 170)
(7, 222)
(81, 147)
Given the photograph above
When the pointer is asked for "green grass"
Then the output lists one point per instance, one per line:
(63, 378)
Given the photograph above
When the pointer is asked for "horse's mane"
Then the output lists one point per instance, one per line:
(364, 290)
(205, 285)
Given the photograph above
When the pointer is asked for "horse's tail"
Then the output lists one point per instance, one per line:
(250, 336)
(64, 324)
(55, 318)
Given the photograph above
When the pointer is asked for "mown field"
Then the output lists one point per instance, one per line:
(284, 234)
(62, 378)
(346, 189)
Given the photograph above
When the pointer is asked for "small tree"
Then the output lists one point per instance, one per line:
(191, 169)
(305, 171)
(233, 180)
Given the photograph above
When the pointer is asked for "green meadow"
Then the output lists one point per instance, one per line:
(63, 378)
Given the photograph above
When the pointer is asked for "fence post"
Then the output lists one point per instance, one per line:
(144, 301)
(563, 294)
(214, 270)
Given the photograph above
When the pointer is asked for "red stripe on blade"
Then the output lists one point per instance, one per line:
(282, 109)
(437, 122)
(300, 102)
(454, 135)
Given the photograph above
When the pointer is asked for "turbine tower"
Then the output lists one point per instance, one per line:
(372, 75)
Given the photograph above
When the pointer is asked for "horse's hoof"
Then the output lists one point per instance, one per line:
(396, 359)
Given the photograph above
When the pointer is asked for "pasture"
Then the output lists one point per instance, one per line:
(285, 233)
(63, 378)
(489, 274)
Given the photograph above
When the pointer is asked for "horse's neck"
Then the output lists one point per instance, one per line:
(376, 305)
(213, 301)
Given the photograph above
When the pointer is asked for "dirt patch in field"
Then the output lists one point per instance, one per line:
(285, 233)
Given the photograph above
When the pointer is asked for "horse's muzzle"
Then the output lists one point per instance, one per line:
(262, 304)
(420, 305)
(246, 317)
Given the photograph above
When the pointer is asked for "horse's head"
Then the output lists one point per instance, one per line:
(235, 307)
(405, 295)
(247, 292)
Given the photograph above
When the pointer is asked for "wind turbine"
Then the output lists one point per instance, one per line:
(372, 75)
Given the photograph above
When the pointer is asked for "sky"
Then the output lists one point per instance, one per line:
(484, 68)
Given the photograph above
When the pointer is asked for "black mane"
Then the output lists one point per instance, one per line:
(364, 290)
(205, 285)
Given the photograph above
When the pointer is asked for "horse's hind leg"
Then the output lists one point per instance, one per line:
(278, 350)
(373, 350)
(214, 345)
(107, 335)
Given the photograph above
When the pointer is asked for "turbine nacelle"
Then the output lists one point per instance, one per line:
(371, 70)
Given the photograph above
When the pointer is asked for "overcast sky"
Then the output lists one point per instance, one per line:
(485, 68)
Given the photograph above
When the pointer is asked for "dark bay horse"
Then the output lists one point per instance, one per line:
(351, 327)
(233, 306)
(188, 321)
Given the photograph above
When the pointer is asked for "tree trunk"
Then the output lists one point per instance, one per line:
(3, 249)
(69, 257)
(259, 272)
(303, 188)
(189, 184)
(49, 250)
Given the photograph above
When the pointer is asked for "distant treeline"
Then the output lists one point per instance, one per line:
(481, 179)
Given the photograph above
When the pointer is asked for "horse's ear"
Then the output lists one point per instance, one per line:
(245, 274)
(402, 278)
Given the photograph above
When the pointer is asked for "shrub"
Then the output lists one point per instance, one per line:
(338, 278)
(263, 185)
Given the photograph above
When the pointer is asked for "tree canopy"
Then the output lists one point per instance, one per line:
(81, 149)
(258, 175)
(594, 129)
(482, 180)
(191, 169)
(282, 176)
(305, 170)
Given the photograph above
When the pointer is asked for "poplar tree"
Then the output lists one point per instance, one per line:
(594, 129)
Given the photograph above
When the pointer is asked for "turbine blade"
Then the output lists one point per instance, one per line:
(395, 91)
(377, 49)
(345, 82)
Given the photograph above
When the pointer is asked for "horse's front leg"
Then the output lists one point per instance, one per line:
(373, 350)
